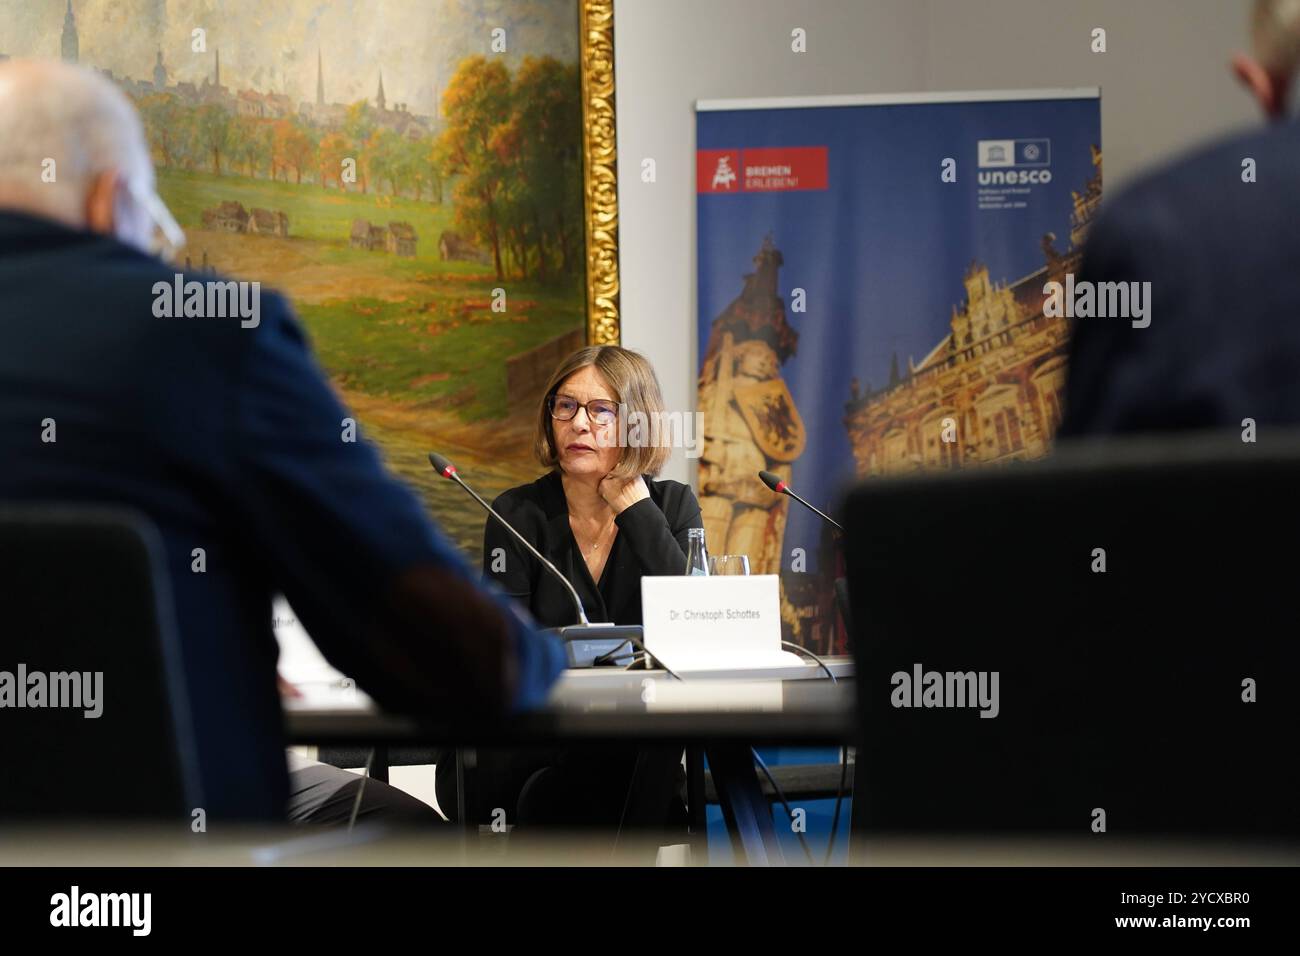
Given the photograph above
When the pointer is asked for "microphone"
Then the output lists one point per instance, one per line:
(781, 488)
(841, 587)
(585, 642)
(445, 468)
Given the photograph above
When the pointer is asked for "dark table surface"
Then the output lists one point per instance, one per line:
(607, 704)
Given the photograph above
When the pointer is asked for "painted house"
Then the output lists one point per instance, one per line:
(400, 239)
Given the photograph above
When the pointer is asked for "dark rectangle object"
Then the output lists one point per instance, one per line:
(1119, 690)
(611, 644)
(81, 591)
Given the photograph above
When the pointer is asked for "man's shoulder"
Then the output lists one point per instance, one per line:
(186, 315)
(176, 291)
(175, 334)
(1214, 182)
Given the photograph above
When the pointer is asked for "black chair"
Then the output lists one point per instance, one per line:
(1121, 689)
(82, 592)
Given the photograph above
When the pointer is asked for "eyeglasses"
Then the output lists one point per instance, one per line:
(168, 237)
(599, 410)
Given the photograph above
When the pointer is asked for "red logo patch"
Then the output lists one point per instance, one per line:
(761, 170)
(717, 171)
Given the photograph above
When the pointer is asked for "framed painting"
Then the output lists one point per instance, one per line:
(431, 184)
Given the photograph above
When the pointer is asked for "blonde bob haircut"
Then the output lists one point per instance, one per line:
(636, 389)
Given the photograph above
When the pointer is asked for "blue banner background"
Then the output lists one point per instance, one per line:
(881, 253)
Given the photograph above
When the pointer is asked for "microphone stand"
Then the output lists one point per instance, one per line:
(778, 485)
(586, 644)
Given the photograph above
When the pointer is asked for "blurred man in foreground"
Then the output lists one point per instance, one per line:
(1217, 235)
(225, 433)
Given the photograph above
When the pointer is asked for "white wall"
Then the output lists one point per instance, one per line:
(1164, 80)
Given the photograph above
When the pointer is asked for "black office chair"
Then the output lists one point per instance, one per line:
(1121, 689)
(83, 592)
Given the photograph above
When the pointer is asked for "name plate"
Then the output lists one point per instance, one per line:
(715, 624)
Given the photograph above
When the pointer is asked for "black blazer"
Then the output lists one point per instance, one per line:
(227, 438)
(1223, 261)
(651, 539)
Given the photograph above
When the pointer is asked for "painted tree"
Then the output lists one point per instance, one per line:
(512, 207)
(383, 157)
(164, 123)
(245, 143)
(358, 125)
(188, 148)
(265, 148)
(215, 132)
(413, 166)
(434, 158)
(475, 104)
(546, 164)
(334, 149)
(294, 147)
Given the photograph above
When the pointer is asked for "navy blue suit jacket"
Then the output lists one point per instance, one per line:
(1223, 258)
(230, 439)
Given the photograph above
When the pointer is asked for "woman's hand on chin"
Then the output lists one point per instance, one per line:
(621, 493)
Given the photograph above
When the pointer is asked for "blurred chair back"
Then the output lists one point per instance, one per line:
(1131, 597)
(87, 625)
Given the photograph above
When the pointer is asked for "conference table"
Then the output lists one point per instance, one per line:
(718, 718)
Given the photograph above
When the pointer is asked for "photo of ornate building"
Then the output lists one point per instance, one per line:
(990, 391)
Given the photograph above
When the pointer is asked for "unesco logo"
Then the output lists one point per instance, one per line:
(1014, 162)
(1009, 153)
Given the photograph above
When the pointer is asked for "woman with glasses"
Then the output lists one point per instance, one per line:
(603, 519)
(598, 513)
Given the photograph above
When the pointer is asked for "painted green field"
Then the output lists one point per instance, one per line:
(450, 347)
(403, 329)
(314, 213)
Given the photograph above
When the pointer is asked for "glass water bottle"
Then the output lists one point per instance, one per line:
(697, 558)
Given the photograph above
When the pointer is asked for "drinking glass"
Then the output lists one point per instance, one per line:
(729, 564)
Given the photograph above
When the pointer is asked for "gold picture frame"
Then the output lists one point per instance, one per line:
(600, 169)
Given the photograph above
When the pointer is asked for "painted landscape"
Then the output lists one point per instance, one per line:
(417, 197)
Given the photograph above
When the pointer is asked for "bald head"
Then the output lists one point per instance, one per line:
(1275, 31)
(1272, 70)
(52, 111)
